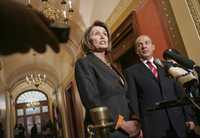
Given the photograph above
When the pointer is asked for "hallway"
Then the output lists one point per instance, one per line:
(41, 43)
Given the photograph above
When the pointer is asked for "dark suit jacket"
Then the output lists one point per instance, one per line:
(99, 85)
(144, 90)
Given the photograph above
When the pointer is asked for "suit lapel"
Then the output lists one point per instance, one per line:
(119, 74)
(162, 78)
(100, 64)
(144, 68)
(161, 81)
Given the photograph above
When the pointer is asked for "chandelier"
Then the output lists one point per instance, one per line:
(33, 104)
(54, 14)
(35, 79)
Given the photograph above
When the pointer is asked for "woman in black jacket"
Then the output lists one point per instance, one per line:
(100, 83)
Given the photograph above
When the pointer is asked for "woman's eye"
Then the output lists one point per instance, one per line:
(105, 34)
(139, 45)
(100, 33)
(96, 33)
(147, 42)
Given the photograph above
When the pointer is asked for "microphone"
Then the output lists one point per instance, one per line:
(158, 62)
(165, 64)
(183, 76)
(175, 55)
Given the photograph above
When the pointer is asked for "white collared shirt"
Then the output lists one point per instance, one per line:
(151, 60)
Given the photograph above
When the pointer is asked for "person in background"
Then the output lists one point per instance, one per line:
(100, 84)
(16, 131)
(149, 84)
(34, 131)
(21, 131)
(1, 131)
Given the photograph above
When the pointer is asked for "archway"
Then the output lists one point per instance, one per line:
(32, 108)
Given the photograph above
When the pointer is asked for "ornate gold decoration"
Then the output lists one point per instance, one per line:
(123, 9)
(194, 7)
(173, 30)
(56, 15)
(33, 104)
(35, 79)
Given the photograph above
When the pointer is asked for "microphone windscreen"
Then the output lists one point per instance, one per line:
(159, 62)
(174, 54)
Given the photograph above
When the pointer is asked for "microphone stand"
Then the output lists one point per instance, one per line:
(174, 103)
(192, 87)
(187, 99)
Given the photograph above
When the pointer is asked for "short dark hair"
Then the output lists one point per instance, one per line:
(86, 41)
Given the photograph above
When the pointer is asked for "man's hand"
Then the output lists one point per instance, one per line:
(190, 125)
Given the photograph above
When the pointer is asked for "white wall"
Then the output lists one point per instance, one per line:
(92, 10)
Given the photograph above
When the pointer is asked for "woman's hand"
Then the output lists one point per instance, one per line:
(132, 127)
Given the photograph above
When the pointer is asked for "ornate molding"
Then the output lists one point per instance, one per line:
(194, 8)
(171, 26)
(121, 11)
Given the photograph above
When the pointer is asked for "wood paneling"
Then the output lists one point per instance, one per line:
(123, 42)
(151, 17)
(74, 115)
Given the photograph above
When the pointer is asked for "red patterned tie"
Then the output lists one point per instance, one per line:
(153, 69)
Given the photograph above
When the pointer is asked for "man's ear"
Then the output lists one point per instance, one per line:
(137, 53)
(153, 47)
(135, 50)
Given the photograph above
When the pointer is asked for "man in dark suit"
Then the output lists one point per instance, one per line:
(148, 84)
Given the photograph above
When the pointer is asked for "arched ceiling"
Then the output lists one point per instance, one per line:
(57, 66)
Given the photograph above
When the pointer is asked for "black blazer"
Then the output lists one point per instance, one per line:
(144, 90)
(99, 85)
